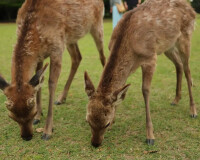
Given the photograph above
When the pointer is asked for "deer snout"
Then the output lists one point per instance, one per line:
(26, 132)
(96, 144)
(27, 138)
(96, 141)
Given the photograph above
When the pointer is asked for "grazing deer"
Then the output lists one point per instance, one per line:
(45, 27)
(155, 27)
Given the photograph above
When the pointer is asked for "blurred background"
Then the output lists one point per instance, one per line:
(9, 8)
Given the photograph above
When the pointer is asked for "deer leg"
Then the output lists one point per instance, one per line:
(38, 99)
(174, 57)
(184, 47)
(97, 34)
(55, 68)
(193, 111)
(147, 74)
(76, 59)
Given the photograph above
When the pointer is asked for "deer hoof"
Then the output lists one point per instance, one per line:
(150, 141)
(173, 104)
(57, 103)
(193, 116)
(36, 121)
(46, 137)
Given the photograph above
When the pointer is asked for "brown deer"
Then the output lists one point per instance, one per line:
(45, 27)
(155, 27)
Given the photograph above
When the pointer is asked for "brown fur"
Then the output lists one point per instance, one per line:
(155, 27)
(45, 28)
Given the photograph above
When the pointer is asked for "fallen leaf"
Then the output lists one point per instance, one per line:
(39, 130)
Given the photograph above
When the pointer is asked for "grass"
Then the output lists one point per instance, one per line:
(177, 135)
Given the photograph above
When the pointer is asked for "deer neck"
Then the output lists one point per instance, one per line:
(22, 69)
(25, 56)
(116, 72)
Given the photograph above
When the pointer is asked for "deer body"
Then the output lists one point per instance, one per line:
(155, 27)
(45, 28)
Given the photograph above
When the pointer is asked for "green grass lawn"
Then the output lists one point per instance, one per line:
(177, 135)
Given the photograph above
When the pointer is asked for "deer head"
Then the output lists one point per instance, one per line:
(101, 109)
(22, 103)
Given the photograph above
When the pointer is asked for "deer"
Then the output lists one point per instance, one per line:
(44, 29)
(155, 27)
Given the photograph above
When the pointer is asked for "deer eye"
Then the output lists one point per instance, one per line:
(11, 116)
(107, 125)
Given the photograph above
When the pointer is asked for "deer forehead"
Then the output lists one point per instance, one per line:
(97, 120)
(25, 92)
(98, 109)
(99, 115)
(23, 110)
(21, 102)
(20, 99)
(99, 101)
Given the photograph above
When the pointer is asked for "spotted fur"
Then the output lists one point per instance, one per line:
(154, 27)
(44, 29)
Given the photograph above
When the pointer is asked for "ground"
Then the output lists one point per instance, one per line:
(177, 135)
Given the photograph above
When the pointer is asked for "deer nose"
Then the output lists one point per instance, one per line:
(96, 140)
(96, 144)
(27, 138)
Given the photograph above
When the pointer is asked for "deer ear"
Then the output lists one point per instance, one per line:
(89, 87)
(3, 83)
(119, 95)
(37, 80)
